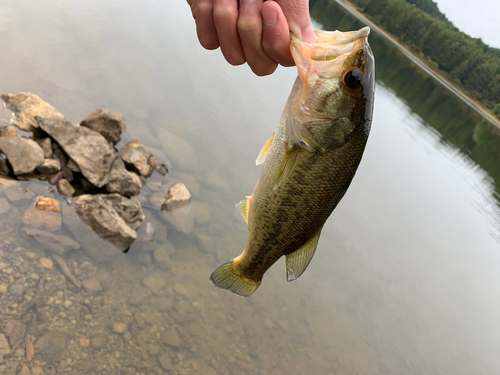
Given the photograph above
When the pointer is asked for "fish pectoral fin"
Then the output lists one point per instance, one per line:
(244, 207)
(297, 262)
(287, 165)
(324, 135)
(264, 151)
(226, 277)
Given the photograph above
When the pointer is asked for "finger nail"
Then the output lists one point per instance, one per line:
(309, 36)
(269, 16)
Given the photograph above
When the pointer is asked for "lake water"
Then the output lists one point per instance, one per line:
(406, 278)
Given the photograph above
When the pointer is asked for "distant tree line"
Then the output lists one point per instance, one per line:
(420, 25)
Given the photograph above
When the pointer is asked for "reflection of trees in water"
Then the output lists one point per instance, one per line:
(457, 123)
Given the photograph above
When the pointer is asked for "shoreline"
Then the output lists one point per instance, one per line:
(421, 64)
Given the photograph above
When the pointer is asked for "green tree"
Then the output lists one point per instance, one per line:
(497, 110)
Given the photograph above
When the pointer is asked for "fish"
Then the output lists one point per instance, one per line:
(309, 161)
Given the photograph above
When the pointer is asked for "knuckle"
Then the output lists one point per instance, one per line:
(249, 25)
(204, 6)
(225, 13)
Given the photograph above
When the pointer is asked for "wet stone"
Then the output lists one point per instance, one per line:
(46, 145)
(49, 167)
(17, 193)
(109, 124)
(177, 196)
(137, 158)
(4, 206)
(119, 327)
(138, 296)
(171, 338)
(165, 362)
(98, 342)
(4, 346)
(65, 188)
(51, 347)
(154, 282)
(56, 243)
(4, 168)
(45, 217)
(92, 286)
(16, 290)
(3, 288)
(24, 155)
(8, 131)
(162, 259)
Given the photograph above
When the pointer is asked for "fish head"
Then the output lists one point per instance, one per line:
(337, 76)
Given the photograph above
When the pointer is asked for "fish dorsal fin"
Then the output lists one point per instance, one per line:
(263, 152)
(287, 165)
(244, 207)
(297, 262)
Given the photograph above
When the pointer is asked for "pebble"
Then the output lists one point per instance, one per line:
(119, 327)
(3, 288)
(4, 206)
(154, 282)
(4, 346)
(16, 290)
(153, 349)
(171, 338)
(24, 370)
(68, 303)
(36, 371)
(46, 262)
(84, 343)
(98, 342)
(92, 286)
(165, 362)
(162, 259)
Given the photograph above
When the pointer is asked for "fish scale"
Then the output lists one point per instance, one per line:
(309, 161)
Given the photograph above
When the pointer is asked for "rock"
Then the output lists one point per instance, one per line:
(90, 151)
(138, 296)
(55, 178)
(16, 290)
(181, 153)
(105, 279)
(51, 347)
(24, 155)
(56, 243)
(177, 196)
(92, 286)
(49, 166)
(181, 219)
(171, 338)
(4, 346)
(162, 169)
(84, 343)
(153, 349)
(71, 164)
(3, 288)
(46, 145)
(98, 342)
(113, 217)
(15, 331)
(26, 106)
(122, 181)
(45, 215)
(109, 124)
(65, 188)
(4, 206)
(155, 282)
(8, 131)
(162, 259)
(165, 362)
(17, 193)
(4, 167)
(136, 157)
(119, 327)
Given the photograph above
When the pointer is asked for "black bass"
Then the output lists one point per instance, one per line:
(309, 161)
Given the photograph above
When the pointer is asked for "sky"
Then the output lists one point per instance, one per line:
(478, 18)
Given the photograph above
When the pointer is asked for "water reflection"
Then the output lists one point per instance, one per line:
(405, 279)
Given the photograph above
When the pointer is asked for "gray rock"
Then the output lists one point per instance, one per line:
(177, 196)
(26, 106)
(4, 206)
(171, 338)
(16, 193)
(111, 125)
(51, 347)
(73, 166)
(162, 259)
(8, 131)
(136, 157)
(98, 342)
(90, 151)
(113, 217)
(46, 145)
(122, 181)
(24, 155)
(181, 218)
(4, 167)
(65, 188)
(55, 178)
(4, 346)
(49, 166)
(138, 296)
(181, 153)
(56, 243)
(92, 286)
(15, 331)
(16, 290)
(155, 282)
(165, 362)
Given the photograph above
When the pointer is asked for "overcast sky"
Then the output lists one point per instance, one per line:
(478, 18)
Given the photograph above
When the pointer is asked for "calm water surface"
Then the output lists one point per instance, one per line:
(406, 278)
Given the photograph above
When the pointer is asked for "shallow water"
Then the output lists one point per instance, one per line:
(405, 279)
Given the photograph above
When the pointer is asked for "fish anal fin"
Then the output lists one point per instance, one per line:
(244, 207)
(227, 277)
(264, 151)
(287, 165)
(297, 262)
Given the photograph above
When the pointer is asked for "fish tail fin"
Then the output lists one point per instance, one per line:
(227, 277)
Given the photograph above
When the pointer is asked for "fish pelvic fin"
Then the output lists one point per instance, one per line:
(297, 262)
(264, 151)
(287, 165)
(227, 277)
(243, 207)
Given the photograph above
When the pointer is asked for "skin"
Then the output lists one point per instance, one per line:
(252, 31)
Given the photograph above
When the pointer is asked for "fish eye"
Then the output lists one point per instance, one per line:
(353, 79)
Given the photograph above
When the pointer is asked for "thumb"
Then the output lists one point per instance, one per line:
(299, 21)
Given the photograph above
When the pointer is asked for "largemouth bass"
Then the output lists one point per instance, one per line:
(309, 161)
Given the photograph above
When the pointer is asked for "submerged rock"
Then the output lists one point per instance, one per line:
(136, 157)
(24, 155)
(177, 196)
(65, 188)
(8, 131)
(45, 214)
(16, 193)
(113, 217)
(4, 206)
(56, 243)
(122, 181)
(26, 106)
(109, 124)
(51, 347)
(49, 167)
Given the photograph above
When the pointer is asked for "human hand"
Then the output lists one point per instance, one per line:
(252, 31)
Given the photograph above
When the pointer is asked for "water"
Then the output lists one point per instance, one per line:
(405, 279)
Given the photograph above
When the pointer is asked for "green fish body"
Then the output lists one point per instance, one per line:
(310, 160)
